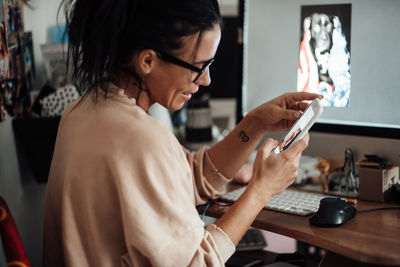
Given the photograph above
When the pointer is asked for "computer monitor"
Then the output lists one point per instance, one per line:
(367, 44)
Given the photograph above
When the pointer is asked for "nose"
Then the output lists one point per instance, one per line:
(204, 79)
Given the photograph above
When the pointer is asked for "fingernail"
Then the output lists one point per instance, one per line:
(297, 115)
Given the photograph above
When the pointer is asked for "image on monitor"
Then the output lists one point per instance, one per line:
(324, 53)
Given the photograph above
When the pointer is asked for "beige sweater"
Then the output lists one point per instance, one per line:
(123, 192)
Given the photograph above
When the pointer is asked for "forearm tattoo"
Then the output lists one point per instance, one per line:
(243, 136)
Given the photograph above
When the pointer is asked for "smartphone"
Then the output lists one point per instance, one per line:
(301, 126)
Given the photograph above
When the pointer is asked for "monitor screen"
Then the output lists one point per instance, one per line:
(347, 51)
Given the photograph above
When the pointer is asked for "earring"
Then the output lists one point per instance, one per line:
(147, 71)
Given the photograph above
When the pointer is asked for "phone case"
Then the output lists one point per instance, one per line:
(301, 126)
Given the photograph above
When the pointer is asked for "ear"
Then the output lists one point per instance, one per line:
(146, 59)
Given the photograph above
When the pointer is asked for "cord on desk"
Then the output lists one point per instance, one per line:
(205, 210)
(387, 208)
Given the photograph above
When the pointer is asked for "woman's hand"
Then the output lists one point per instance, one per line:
(281, 112)
(244, 174)
(272, 173)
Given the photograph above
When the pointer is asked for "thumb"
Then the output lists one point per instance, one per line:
(298, 147)
(266, 148)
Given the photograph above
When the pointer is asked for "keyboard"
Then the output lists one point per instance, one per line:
(252, 240)
(288, 201)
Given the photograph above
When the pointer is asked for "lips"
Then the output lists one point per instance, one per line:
(186, 96)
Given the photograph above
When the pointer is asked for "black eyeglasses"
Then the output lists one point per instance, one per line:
(177, 61)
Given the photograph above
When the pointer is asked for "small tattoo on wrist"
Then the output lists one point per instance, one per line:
(243, 136)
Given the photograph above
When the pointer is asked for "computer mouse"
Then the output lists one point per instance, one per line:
(333, 212)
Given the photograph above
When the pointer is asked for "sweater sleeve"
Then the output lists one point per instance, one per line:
(208, 181)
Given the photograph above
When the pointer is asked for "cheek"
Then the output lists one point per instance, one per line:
(167, 89)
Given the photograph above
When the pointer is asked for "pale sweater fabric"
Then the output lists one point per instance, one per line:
(122, 191)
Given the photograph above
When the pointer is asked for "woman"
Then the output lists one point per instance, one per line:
(121, 190)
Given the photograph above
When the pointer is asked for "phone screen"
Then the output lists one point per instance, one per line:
(295, 131)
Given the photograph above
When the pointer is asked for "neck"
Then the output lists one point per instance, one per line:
(133, 89)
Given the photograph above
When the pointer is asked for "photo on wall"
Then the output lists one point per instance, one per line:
(28, 60)
(16, 61)
(324, 54)
(13, 18)
(4, 66)
(5, 72)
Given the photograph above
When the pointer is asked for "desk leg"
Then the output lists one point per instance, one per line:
(332, 259)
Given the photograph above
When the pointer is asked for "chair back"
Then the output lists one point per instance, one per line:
(12, 243)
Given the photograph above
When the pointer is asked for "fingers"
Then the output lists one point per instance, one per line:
(300, 100)
(295, 103)
(288, 114)
(294, 114)
(302, 96)
(266, 147)
(303, 105)
(244, 174)
(299, 146)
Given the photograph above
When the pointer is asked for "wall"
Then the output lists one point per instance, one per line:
(37, 20)
(229, 8)
(24, 196)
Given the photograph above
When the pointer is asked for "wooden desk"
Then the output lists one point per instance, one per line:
(371, 237)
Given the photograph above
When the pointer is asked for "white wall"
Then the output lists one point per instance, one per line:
(229, 8)
(24, 196)
(37, 20)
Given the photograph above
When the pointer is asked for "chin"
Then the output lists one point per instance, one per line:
(176, 107)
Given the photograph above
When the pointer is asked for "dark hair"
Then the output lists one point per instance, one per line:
(103, 34)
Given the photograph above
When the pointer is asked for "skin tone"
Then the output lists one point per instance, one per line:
(168, 84)
(171, 85)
